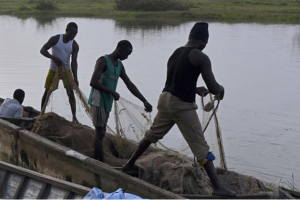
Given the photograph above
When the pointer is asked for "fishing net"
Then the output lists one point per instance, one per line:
(171, 169)
(130, 121)
(166, 169)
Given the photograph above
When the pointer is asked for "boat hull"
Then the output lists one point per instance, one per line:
(26, 149)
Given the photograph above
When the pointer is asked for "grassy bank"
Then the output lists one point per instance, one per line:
(278, 11)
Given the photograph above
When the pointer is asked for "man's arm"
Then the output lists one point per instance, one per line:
(74, 64)
(44, 50)
(202, 91)
(199, 59)
(134, 90)
(100, 68)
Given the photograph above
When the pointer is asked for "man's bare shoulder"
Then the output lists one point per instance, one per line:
(101, 64)
(75, 44)
(54, 39)
(101, 60)
(197, 52)
(197, 57)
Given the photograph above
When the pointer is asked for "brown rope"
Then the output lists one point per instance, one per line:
(218, 131)
(54, 86)
(60, 73)
(219, 138)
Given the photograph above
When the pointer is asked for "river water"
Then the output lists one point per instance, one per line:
(258, 64)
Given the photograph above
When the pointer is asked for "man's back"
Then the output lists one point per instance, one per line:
(11, 108)
(182, 76)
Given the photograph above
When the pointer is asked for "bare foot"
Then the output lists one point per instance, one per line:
(224, 192)
(75, 121)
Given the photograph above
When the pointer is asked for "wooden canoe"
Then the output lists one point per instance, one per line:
(19, 183)
(23, 148)
(26, 149)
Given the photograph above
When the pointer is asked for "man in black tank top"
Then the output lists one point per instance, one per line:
(176, 104)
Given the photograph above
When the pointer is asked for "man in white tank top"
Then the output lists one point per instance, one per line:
(63, 47)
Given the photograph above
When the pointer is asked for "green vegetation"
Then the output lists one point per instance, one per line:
(44, 5)
(283, 11)
(150, 5)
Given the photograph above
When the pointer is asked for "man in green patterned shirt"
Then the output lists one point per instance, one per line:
(104, 82)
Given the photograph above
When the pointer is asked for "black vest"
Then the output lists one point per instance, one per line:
(182, 76)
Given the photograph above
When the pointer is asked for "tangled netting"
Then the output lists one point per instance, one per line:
(164, 167)
(167, 169)
(131, 121)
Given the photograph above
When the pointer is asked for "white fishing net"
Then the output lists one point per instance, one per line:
(131, 121)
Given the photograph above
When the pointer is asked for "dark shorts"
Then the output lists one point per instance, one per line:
(100, 116)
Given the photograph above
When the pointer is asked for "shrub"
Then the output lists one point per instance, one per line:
(45, 5)
(150, 5)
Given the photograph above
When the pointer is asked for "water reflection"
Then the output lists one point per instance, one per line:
(41, 20)
(147, 24)
(129, 25)
(147, 28)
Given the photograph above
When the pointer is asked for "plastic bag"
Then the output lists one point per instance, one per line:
(96, 193)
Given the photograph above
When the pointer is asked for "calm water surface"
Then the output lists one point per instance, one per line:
(259, 65)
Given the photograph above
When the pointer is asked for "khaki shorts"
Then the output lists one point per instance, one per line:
(172, 110)
(51, 75)
(100, 116)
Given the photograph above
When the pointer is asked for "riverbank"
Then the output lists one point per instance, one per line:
(265, 11)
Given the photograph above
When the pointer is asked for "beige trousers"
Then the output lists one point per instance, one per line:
(172, 110)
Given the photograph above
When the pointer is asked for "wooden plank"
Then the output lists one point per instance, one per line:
(42, 143)
(18, 119)
(129, 183)
(20, 187)
(56, 193)
(68, 195)
(44, 192)
(45, 179)
(2, 182)
(2, 177)
(7, 126)
(41, 191)
(31, 189)
(10, 185)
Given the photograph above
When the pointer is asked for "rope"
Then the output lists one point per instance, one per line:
(60, 73)
(218, 132)
(211, 116)
(220, 142)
